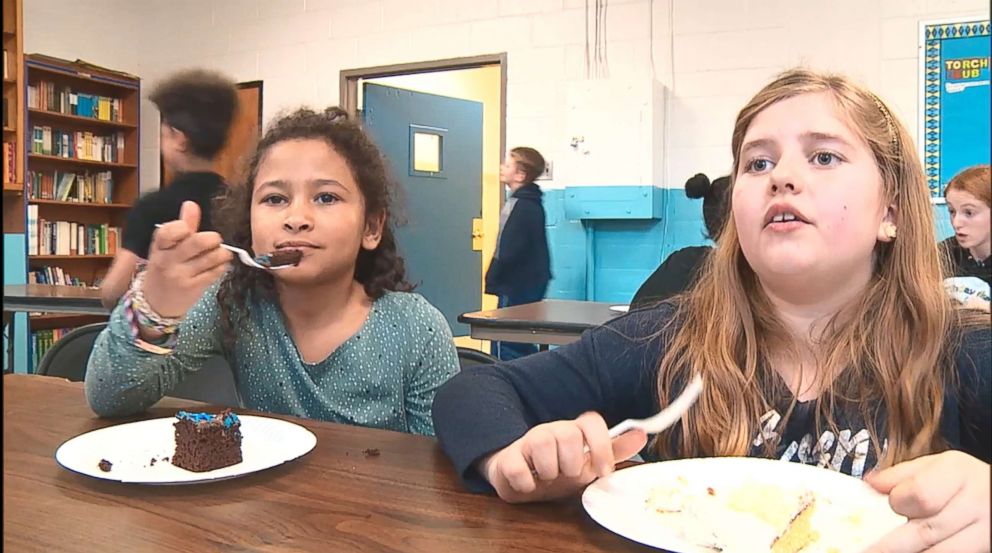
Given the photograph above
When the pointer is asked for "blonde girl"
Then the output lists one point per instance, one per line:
(819, 324)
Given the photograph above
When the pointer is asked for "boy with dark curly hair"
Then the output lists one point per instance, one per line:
(197, 109)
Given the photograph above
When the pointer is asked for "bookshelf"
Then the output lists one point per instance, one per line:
(13, 117)
(81, 174)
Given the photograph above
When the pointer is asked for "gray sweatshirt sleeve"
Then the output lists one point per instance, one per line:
(123, 379)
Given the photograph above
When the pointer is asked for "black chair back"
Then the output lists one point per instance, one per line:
(68, 357)
(213, 383)
(468, 357)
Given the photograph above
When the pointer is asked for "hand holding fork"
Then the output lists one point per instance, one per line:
(557, 459)
(182, 263)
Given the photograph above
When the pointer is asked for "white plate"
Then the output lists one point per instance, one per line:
(130, 447)
(620, 308)
(963, 288)
(618, 502)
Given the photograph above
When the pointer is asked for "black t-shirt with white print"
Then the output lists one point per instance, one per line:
(850, 449)
(613, 370)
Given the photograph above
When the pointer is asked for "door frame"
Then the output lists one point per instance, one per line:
(348, 101)
(350, 77)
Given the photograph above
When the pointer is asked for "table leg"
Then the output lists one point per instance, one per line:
(8, 322)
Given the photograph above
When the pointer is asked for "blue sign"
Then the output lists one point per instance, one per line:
(955, 108)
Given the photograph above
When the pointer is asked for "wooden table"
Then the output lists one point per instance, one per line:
(46, 298)
(554, 322)
(407, 499)
(52, 299)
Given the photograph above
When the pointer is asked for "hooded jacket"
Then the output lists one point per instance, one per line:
(521, 261)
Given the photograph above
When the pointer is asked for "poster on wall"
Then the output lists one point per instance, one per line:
(954, 99)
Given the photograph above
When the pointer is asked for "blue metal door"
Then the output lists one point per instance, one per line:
(433, 145)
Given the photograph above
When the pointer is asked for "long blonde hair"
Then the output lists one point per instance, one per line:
(890, 349)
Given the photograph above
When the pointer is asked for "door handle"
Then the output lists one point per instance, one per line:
(477, 234)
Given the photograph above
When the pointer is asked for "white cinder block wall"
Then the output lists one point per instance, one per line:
(712, 55)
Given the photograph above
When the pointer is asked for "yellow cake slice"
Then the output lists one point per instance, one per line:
(799, 533)
(749, 518)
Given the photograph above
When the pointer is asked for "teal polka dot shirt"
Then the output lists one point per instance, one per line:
(384, 376)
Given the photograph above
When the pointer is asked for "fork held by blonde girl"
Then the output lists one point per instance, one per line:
(820, 318)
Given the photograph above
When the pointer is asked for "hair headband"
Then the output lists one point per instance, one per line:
(888, 121)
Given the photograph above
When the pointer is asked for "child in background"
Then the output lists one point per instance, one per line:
(521, 267)
(969, 251)
(681, 269)
(197, 109)
(335, 337)
(820, 320)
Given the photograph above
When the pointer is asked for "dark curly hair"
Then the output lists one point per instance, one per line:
(201, 104)
(379, 270)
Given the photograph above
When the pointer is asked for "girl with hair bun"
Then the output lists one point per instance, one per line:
(678, 272)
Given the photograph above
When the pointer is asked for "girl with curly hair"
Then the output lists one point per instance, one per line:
(337, 337)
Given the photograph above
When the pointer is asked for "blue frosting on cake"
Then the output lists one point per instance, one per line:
(197, 418)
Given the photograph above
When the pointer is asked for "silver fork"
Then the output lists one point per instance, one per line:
(667, 416)
(246, 258)
(664, 418)
(253, 262)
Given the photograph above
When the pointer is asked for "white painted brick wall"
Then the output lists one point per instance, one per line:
(54, 27)
(724, 50)
(619, 143)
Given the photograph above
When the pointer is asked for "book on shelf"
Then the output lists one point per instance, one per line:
(9, 167)
(56, 276)
(42, 341)
(32, 229)
(88, 146)
(71, 238)
(87, 187)
(45, 95)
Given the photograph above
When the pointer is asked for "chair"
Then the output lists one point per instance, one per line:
(68, 357)
(468, 357)
(213, 383)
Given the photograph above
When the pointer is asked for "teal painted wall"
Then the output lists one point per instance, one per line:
(943, 222)
(624, 252)
(567, 241)
(628, 251)
(14, 272)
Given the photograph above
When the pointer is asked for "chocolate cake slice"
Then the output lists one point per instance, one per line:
(280, 258)
(206, 441)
